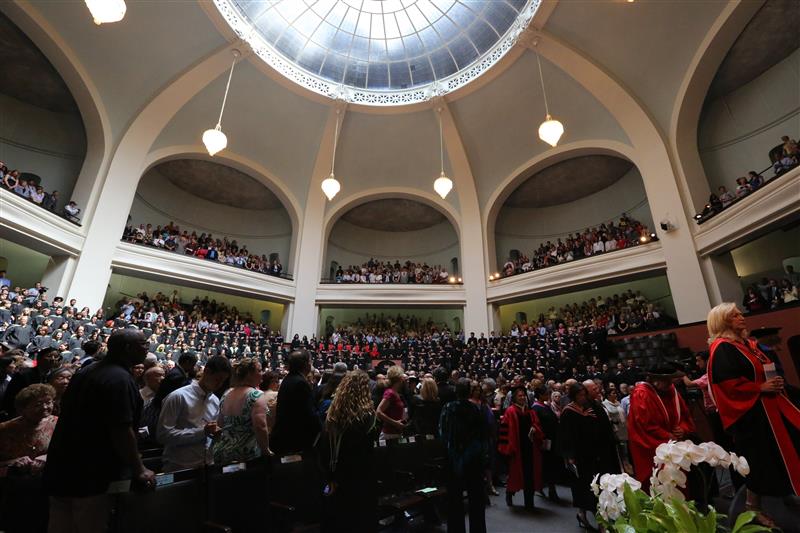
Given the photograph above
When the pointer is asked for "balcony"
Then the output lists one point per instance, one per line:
(756, 212)
(38, 228)
(596, 269)
(162, 265)
(388, 294)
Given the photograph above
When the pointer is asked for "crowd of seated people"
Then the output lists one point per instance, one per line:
(203, 246)
(784, 157)
(374, 271)
(13, 180)
(772, 293)
(605, 238)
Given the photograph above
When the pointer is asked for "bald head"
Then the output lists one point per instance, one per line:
(592, 389)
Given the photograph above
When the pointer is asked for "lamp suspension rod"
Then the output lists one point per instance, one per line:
(541, 79)
(335, 140)
(441, 140)
(227, 87)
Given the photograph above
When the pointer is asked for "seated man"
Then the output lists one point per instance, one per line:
(71, 211)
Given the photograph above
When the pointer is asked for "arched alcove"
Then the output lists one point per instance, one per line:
(42, 132)
(393, 229)
(554, 202)
(207, 197)
(752, 100)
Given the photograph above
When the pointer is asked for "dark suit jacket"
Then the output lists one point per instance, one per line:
(296, 422)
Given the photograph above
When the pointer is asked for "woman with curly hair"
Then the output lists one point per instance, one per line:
(350, 431)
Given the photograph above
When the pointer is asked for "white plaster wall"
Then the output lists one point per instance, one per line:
(24, 267)
(345, 316)
(353, 245)
(123, 286)
(525, 228)
(737, 131)
(46, 143)
(767, 255)
(158, 201)
(654, 289)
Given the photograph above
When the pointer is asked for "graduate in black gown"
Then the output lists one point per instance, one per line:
(755, 409)
(552, 464)
(579, 432)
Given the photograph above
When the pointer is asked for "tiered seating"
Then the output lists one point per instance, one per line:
(645, 349)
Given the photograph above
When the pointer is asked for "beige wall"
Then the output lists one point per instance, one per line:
(525, 229)
(23, 266)
(344, 316)
(158, 201)
(46, 143)
(767, 255)
(737, 131)
(656, 288)
(121, 286)
(354, 245)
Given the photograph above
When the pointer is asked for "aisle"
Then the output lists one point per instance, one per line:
(548, 517)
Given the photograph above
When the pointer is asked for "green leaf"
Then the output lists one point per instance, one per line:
(742, 520)
(682, 516)
(632, 503)
(754, 528)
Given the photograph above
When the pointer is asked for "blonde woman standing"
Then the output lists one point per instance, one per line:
(754, 409)
(350, 431)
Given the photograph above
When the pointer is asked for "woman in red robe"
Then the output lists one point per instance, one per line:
(754, 408)
(521, 441)
(657, 415)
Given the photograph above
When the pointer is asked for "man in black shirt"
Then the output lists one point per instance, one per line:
(178, 377)
(99, 411)
(296, 422)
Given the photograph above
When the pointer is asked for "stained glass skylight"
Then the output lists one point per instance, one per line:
(380, 52)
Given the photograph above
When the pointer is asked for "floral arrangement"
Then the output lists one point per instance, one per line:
(624, 507)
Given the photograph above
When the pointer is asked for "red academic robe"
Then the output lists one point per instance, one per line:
(508, 445)
(651, 418)
(735, 375)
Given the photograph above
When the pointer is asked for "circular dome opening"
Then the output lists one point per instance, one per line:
(380, 52)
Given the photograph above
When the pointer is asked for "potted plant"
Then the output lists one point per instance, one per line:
(623, 507)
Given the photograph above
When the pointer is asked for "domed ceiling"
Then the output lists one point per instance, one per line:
(569, 180)
(395, 214)
(770, 37)
(27, 74)
(379, 52)
(218, 183)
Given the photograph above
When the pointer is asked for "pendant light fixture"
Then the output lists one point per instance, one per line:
(330, 185)
(551, 130)
(106, 11)
(443, 185)
(214, 139)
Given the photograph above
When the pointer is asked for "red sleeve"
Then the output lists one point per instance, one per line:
(646, 420)
(538, 435)
(734, 397)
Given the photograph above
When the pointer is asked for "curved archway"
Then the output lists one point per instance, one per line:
(355, 200)
(689, 103)
(90, 105)
(242, 164)
(533, 165)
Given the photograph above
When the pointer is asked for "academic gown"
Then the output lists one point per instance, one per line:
(651, 418)
(512, 445)
(765, 427)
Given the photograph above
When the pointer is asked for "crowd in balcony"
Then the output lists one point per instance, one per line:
(772, 293)
(784, 158)
(204, 246)
(409, 272)
(28, 187)
(605, 238)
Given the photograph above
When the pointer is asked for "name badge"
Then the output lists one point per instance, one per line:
(235, 467)
(291, 459)
(164, 479)
(770, 371)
